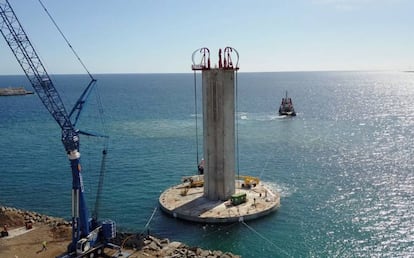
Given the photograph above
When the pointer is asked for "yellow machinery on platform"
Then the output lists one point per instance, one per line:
(194, 181)
(248, 181)
(198, 181)
(190, 182)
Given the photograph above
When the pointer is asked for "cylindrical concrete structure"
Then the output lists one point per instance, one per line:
(216, 198)
(219, 133)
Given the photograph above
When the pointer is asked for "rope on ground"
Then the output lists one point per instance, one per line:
(267, 240)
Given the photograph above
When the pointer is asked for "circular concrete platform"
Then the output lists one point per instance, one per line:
(186, 203)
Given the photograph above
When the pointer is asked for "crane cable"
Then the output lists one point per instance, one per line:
(196, 113)
(237, 126)
(100, 109)
(67, 41)
(83, 65)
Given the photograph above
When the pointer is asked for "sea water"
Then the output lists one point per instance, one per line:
(343, 165)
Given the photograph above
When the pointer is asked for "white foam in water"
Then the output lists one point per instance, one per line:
(282, 189)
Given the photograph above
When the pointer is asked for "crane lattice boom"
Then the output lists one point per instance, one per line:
(35, 71)
(89, 237)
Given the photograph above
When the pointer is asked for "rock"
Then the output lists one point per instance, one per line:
(148, 246)
(217, 253)
(154, 246)
(164, 242)
(174, 245)
(198, 251)
(205, 253)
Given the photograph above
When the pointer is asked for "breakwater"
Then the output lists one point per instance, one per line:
(14, 91)
(137, 244)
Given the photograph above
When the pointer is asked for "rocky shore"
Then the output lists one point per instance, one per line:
(58, 233)
(17, 217)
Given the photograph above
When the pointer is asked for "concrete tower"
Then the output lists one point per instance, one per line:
(221, 198)
(219, 133)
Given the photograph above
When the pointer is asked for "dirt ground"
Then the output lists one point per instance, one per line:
(27, 243)
(22, 242)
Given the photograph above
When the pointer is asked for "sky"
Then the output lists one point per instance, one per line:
(159, 36)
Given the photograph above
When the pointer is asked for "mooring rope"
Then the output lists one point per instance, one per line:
(146, 226)
(150, 219)
(267, 240)
(265, 165)
(220, 229)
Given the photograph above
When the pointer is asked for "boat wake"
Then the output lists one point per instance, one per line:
(244, 116)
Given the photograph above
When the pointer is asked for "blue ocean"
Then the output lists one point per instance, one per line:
(344, 166)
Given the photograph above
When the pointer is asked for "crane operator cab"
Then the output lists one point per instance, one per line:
(85, 244)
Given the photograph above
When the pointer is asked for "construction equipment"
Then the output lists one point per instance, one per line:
(28, 224)
(4, 232)
(89, 237)
(193, 181)
(190, 182)
(238, 198)
(248, 181)
(198, 181)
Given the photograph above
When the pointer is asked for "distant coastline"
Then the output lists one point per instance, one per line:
(14, 91)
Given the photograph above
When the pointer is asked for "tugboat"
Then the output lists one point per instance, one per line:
(286, 107)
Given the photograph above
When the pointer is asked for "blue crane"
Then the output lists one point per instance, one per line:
(88, 236)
